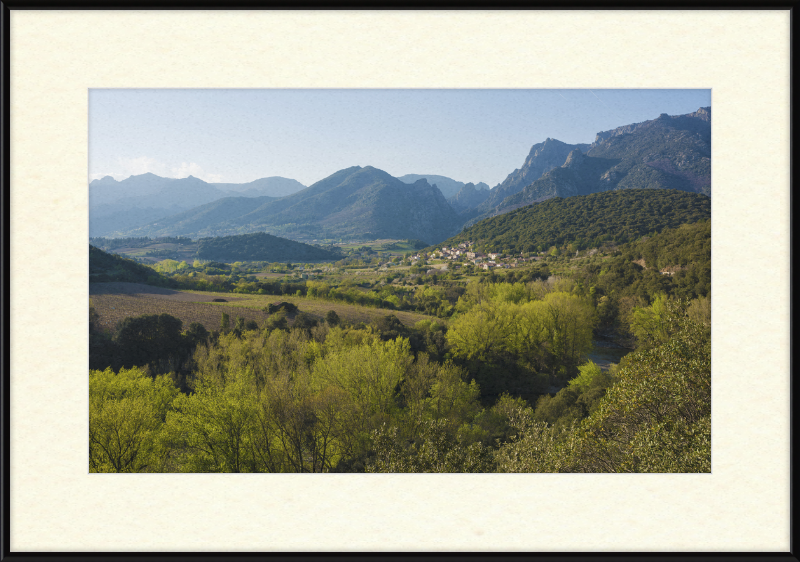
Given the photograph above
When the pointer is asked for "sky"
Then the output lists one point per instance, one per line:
(240, 135)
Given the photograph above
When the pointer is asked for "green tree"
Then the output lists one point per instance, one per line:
(331, 318)
(588, 372)
(126, 418)
(150, 339)
(434, 449)
(214, 427)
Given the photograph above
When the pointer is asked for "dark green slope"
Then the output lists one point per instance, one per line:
(587, 220)
(105, 267)
(260, 246)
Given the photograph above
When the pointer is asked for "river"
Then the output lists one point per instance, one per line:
(604, 353)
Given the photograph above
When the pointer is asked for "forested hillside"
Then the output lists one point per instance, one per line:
(259, 246)
(105, 267)
(586, 221)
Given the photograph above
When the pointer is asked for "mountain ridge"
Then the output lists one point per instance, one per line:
(669, 152)
(354, 202)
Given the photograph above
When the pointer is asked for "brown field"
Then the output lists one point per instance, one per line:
(116, 301)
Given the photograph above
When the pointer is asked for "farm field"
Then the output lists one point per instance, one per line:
(114, 302)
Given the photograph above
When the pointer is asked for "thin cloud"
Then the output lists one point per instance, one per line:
(142, 165)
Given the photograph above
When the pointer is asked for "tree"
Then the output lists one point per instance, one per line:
(331, 318)
(214, 427)
(126, 417)
(588, 372)
(150, 338)
(196, 334)
(656, 417)
(434, 449)
(305, 321)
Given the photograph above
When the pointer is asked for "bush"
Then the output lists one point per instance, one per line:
(332, 318)
(305, 321)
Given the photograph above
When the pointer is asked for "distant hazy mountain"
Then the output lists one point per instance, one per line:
(448, 186)
(274, 186)
(117, 206)
(108, 190)
(362, 203)
(469, 197)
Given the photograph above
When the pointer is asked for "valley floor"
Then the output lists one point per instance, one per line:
(116, 301)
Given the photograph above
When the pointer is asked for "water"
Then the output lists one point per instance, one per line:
(604, 353)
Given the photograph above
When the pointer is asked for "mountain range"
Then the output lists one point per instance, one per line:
(669, 152)
(117, 206)
(354, 203)
(448, 186)
(543, 157)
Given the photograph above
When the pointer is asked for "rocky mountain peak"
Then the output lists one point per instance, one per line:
(703, 113)
(574, 159)
(105, 180)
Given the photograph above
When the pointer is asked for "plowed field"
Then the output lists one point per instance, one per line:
(116, 301)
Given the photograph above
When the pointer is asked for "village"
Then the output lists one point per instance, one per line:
(464, 252)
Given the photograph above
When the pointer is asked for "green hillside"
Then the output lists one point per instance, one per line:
(105, 267)
(260, 246)
(587, 220)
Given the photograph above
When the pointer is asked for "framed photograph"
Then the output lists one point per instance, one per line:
(64, 65)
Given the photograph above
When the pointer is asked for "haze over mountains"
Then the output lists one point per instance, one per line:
(448, 186)
(117, 206)
(360, 203)
(669, 152)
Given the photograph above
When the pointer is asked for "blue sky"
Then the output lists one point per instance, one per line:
(241, 135)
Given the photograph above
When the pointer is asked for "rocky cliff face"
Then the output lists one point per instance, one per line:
(469, 196)
(542, 158)
(669, 152)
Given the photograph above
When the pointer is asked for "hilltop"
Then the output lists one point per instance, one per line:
(260, 246)
(105, 267)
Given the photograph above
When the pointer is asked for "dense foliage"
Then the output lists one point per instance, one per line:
(260, 246)
(587, 221)
(330, 398)
(108, 244)
(105, 267)
(500, 381)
